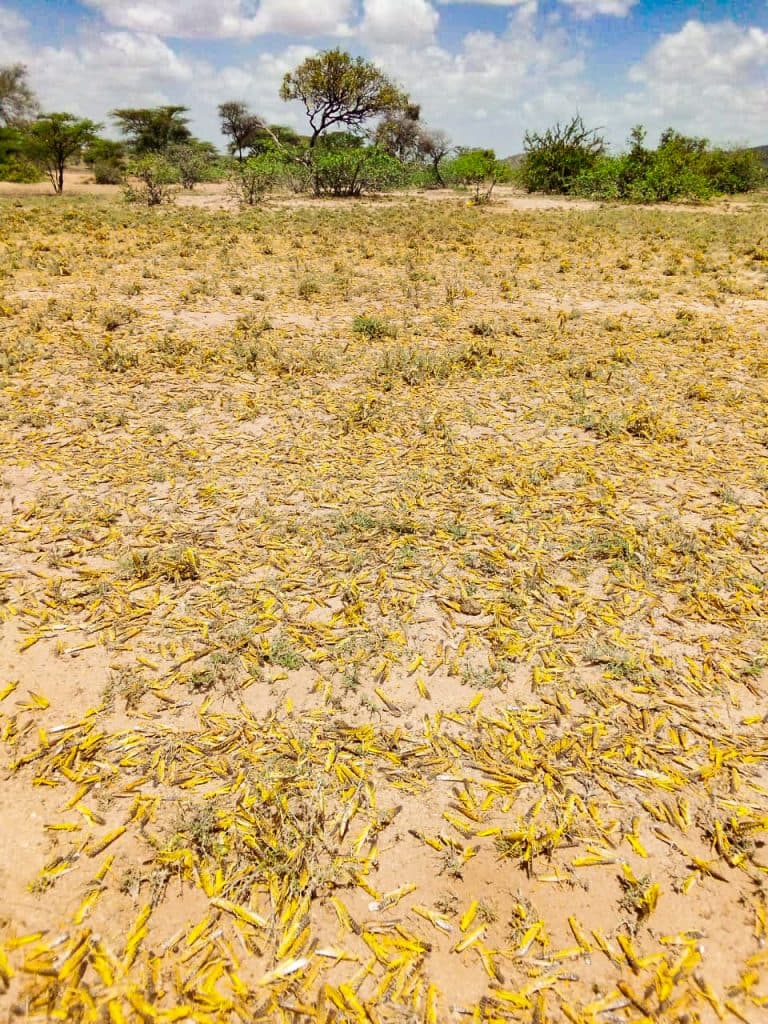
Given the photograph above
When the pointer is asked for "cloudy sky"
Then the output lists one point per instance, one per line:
(483, 70)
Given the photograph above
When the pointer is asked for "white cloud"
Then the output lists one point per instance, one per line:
(12, 24)
(100, 70)
(186, 18)
(487, 93)
(13, 29)
(489, 3)
(111, 69)
(494, 87)
(581, 8)
(709, 79)
(590, 8)
(524, 8)
(410, 22)
(202, 19)
(302, 17)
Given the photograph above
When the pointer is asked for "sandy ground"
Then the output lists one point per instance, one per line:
(506, 197)
(382, 611)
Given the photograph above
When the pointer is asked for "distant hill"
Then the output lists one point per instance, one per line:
(762, 152)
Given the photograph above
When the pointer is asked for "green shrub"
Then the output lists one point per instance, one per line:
(557, 158)
(342, 166)
(373, 327)
(19, 171)
(252, 179)
(601, 181)
(676, 169)
(479, 170)
(106, 173)
(189, 162)
(107, 159)
(155, 182)
(681, 168)
(14, 166)
(419, 176)
(734, 171)
(297, 177)
(217, 170)
(195, 161)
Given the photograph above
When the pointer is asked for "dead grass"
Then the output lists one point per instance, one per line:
(383, 625)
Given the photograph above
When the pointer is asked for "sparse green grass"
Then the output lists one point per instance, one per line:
(374, 328)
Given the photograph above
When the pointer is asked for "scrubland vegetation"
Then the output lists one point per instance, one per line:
(364, 135)
(573, 160)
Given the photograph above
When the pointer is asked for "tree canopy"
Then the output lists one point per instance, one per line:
(239, 125)
(434, 147)
(18, 102)
(153, 129)
(398, 133)
(270, 136)
(53, 139)
(403, 135)
(340, 91)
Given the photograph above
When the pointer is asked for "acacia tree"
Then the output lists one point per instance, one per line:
(434, 146)
(239, 125)
(18, 102)
(53, 139)
(340, 91)
(269, 137)
(153, 129)
(398, 133)
(18, 105)
(404, 136)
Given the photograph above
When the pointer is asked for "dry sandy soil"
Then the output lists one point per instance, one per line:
(215, 196)
(382, 611)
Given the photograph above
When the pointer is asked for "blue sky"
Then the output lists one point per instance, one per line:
(483, 72)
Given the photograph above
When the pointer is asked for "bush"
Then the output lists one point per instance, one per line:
(106, 173)
(297, 177)
(14, 166)
(421, 177)
(666, 182)
(374, 328)
(193, 161)
(107, 159)
(478, 169)
(343, 167)
(157, 180)
(218, 169)
(677, 168)
(680, 168)
(251, 180)
(19, 171)
(556, 159)
(602, 181)
(734, 171)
